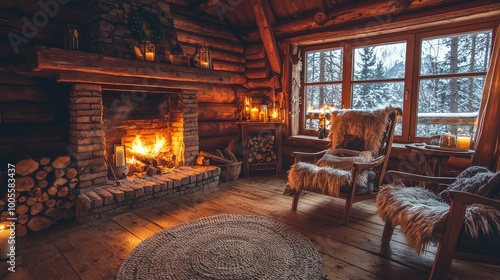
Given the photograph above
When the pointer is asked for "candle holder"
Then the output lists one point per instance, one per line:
(149, 51)
(121, 167)
(463, 141)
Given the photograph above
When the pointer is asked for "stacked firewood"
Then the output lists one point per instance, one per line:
(225, 159)
(261, 149)
(45, 190)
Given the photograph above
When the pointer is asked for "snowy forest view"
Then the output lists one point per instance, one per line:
(450, 81)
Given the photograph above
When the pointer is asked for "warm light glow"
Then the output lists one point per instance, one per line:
(132, 160)
(2, 227)
(151, 151)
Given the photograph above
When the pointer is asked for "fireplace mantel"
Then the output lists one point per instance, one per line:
(83, 67)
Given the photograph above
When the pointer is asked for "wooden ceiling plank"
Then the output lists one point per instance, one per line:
(348, 13)
(416, 21)
(204, 5)
(267, 36)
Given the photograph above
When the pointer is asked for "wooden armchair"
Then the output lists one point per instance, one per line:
(454, 241)
(353, 168)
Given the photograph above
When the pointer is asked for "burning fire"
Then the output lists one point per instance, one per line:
(151, 151)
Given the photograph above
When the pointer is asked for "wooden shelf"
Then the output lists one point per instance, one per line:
(77, 66)
(260, 128)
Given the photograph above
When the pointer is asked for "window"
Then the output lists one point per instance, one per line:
(378, 77)
(450, 82)
(436, 77)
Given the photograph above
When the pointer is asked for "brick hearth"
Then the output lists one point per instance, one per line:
(140, 190)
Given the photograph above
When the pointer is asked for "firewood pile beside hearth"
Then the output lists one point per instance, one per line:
(225, 159)
(45, 189)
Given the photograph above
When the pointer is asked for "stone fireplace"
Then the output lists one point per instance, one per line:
(114, 98)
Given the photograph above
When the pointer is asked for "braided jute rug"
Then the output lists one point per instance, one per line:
(224, 247)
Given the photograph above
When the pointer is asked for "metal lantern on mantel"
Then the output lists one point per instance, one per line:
(149, 51)
(247, 107)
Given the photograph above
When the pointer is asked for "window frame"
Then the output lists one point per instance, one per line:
(412, 71)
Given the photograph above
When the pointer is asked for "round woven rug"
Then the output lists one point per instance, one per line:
(224, 247)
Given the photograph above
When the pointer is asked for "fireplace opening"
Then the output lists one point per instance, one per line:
(142, 125)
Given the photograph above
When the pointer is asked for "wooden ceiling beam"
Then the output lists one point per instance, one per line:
(267, 35)
(431, 19)
(350, 13)
(203, 5)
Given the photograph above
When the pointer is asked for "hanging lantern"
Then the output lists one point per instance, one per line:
(149, 51)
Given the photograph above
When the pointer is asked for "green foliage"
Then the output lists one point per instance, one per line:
(137, 20)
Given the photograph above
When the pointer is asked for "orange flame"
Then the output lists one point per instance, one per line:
(152, 151)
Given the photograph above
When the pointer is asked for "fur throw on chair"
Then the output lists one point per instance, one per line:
(367, 126)
(422, 215)
(349, 128)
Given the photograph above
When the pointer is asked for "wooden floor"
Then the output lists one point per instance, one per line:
(96, 250)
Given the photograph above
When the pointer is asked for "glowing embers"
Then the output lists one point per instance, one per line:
(152, 156)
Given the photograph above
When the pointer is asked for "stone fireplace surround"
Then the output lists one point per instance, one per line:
(99, 196)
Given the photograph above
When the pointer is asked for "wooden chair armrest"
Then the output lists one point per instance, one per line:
(394, 175)
(299, 155)
(469, 198)
(371, 164)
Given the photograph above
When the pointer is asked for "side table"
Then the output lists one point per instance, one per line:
(439, 156)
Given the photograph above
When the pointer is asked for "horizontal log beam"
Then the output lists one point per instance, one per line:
(437, 17)
(56, 60)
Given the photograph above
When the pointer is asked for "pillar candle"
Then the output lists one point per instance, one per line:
(254, 114)
(150, 56)
(463, 142)
(120, 155)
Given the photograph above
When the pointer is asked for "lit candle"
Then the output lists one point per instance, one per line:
(254, 114)
(262, 116)
(463, 141)
(4, 240)
(204, 64)
(150, 56)
(120, 155)
(275, 114)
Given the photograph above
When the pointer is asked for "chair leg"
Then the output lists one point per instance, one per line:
(388, 230)
(347, 210)
(295, 200)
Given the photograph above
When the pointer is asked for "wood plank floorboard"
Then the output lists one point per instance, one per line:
(96, 250)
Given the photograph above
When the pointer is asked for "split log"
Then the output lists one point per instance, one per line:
(151, 171)
(59, 173)
(61, 181)
(24, 183)
(21, 209)
(50, 203)
(23, 218)
(200, 160)
(48, 168)
(41, 174)
(21, 230)
(63, 192)
(230, 155)
(55, 213)
(26, 167)
(39, 223)
(30, 201)
(43, 183)
(36, 208)
(60, 203)
(69, 204)
(35, 192)
(142, 158)
(69, 213)
(71, 173)
(215, 158)
(219, 153)
(61, 162)
(44, 197)
(44, 160)
(52, 190)
(73, 182)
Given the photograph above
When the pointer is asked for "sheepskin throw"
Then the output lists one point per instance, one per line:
(349, 128)
(366, 126)
(422, 215)
(474, 179)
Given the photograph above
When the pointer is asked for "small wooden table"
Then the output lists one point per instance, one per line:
(439, 156)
